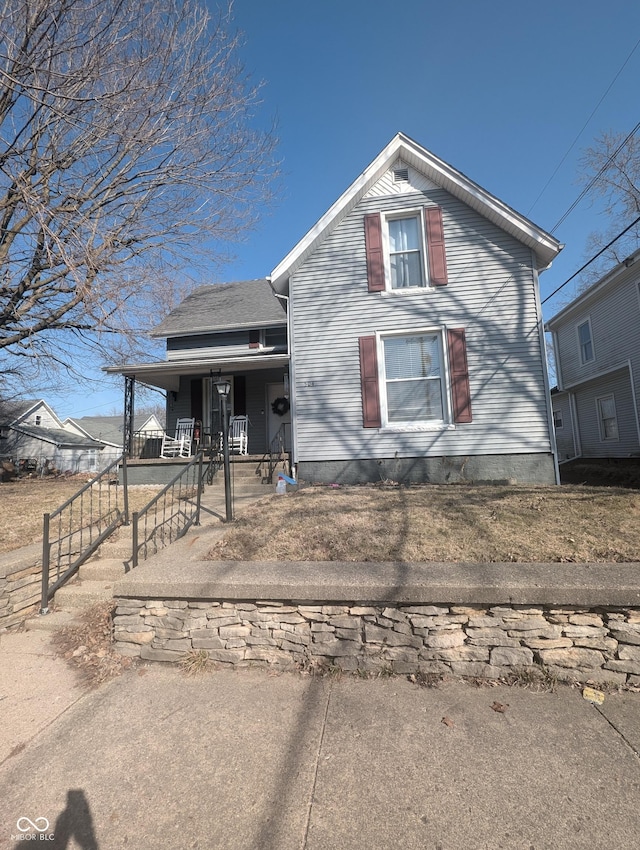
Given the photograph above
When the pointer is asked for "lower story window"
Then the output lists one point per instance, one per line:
(414, 378)
(607, 417)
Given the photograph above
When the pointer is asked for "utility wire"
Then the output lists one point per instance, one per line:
(595, 178)
(582, 129)
(588, 263)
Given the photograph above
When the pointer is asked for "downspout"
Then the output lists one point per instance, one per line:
(292, 383)
(545, 372)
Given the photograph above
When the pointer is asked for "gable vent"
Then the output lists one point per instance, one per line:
(400, 175)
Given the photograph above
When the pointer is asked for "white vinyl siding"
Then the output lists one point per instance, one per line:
(491, 293)
(592, 413)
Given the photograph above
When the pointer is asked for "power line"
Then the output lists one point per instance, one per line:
(582, 129)
(588, 263)
(595, 178)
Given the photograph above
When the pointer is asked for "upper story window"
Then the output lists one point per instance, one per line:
(585, 341)
(38, 420)
(406, 251)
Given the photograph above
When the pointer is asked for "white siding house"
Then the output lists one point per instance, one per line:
(36, 440)
(415, 331)
(596, 341)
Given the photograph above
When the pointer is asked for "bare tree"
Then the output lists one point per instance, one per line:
(611, 173)
(126, 144)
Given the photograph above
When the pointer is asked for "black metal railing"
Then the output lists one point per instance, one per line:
(73, 532)
(277, 453)
(170, 514)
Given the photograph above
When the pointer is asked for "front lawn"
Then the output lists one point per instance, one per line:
(439, 523)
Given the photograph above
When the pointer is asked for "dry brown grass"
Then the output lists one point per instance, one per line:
(440, 523)
(24, 502)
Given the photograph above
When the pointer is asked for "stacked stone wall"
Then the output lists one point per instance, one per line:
(568, 643)
(20, 585)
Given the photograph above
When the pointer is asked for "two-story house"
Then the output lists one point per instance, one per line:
(402, 337)
(596, 341)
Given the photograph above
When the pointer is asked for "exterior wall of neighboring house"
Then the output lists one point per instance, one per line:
(563, 424)
(490, 293)
(597, 345)
(41, 456)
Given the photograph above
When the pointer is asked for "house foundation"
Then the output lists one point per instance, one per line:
(535, 468)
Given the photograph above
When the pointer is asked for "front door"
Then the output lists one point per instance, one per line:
(275, 392)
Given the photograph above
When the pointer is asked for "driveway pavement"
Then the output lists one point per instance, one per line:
(255, 761)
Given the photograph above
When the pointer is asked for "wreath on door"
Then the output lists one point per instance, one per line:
(280, 406)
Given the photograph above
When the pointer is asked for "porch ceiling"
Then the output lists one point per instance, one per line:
(167, 373)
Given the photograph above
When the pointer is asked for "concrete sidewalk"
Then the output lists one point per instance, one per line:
(255, 761)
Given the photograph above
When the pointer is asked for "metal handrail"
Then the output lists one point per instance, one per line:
(81, 528)
(174, 522)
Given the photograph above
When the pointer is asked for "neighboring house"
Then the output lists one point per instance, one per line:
(108, 430)
(37, 441)
(416, 347)
(596, 341)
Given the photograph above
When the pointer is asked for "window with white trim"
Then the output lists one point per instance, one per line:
(405, 250)
(607, 417)
(414, 380)
(557, 420)
(585, 341)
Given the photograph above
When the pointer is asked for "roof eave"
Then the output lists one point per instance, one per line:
(544, 246)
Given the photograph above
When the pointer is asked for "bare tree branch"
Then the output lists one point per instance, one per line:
(126, 146)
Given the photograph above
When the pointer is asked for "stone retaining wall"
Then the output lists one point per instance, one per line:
(20, 585)
(571, 644)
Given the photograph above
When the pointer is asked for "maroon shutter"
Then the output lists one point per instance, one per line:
(435, 246)
(373, 245)
(459, 375)
(254, 339)
(369, 378)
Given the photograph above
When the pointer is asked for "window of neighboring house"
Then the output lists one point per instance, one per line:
(406, 252)
(557, 419)
(607, 418)
(585, 341)
(38, 420)
(414, 379)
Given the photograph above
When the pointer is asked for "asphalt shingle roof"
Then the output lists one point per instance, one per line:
(224, 306)
(109, 429)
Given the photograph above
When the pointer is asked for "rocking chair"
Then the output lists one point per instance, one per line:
(180, 444)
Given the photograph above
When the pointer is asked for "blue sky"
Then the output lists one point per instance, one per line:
(499, 90)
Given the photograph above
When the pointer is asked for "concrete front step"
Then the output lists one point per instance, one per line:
(81, 594)
(53, 621)
(103, 569)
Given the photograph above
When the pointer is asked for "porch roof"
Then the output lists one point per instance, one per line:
(166, 374)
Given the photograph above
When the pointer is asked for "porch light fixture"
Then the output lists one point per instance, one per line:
(224, 388)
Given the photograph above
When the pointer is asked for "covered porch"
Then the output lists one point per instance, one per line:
(259, 391)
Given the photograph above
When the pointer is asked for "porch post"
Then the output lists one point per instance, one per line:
(129, 392)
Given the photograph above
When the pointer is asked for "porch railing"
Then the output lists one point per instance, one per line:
(277, 452)
(73, 532)
(170, 514)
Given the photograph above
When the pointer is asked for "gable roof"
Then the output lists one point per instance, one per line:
(544, 246)
(15, 409)
(224, 306)
(57, 436)
(611, 278)
(109, 429)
